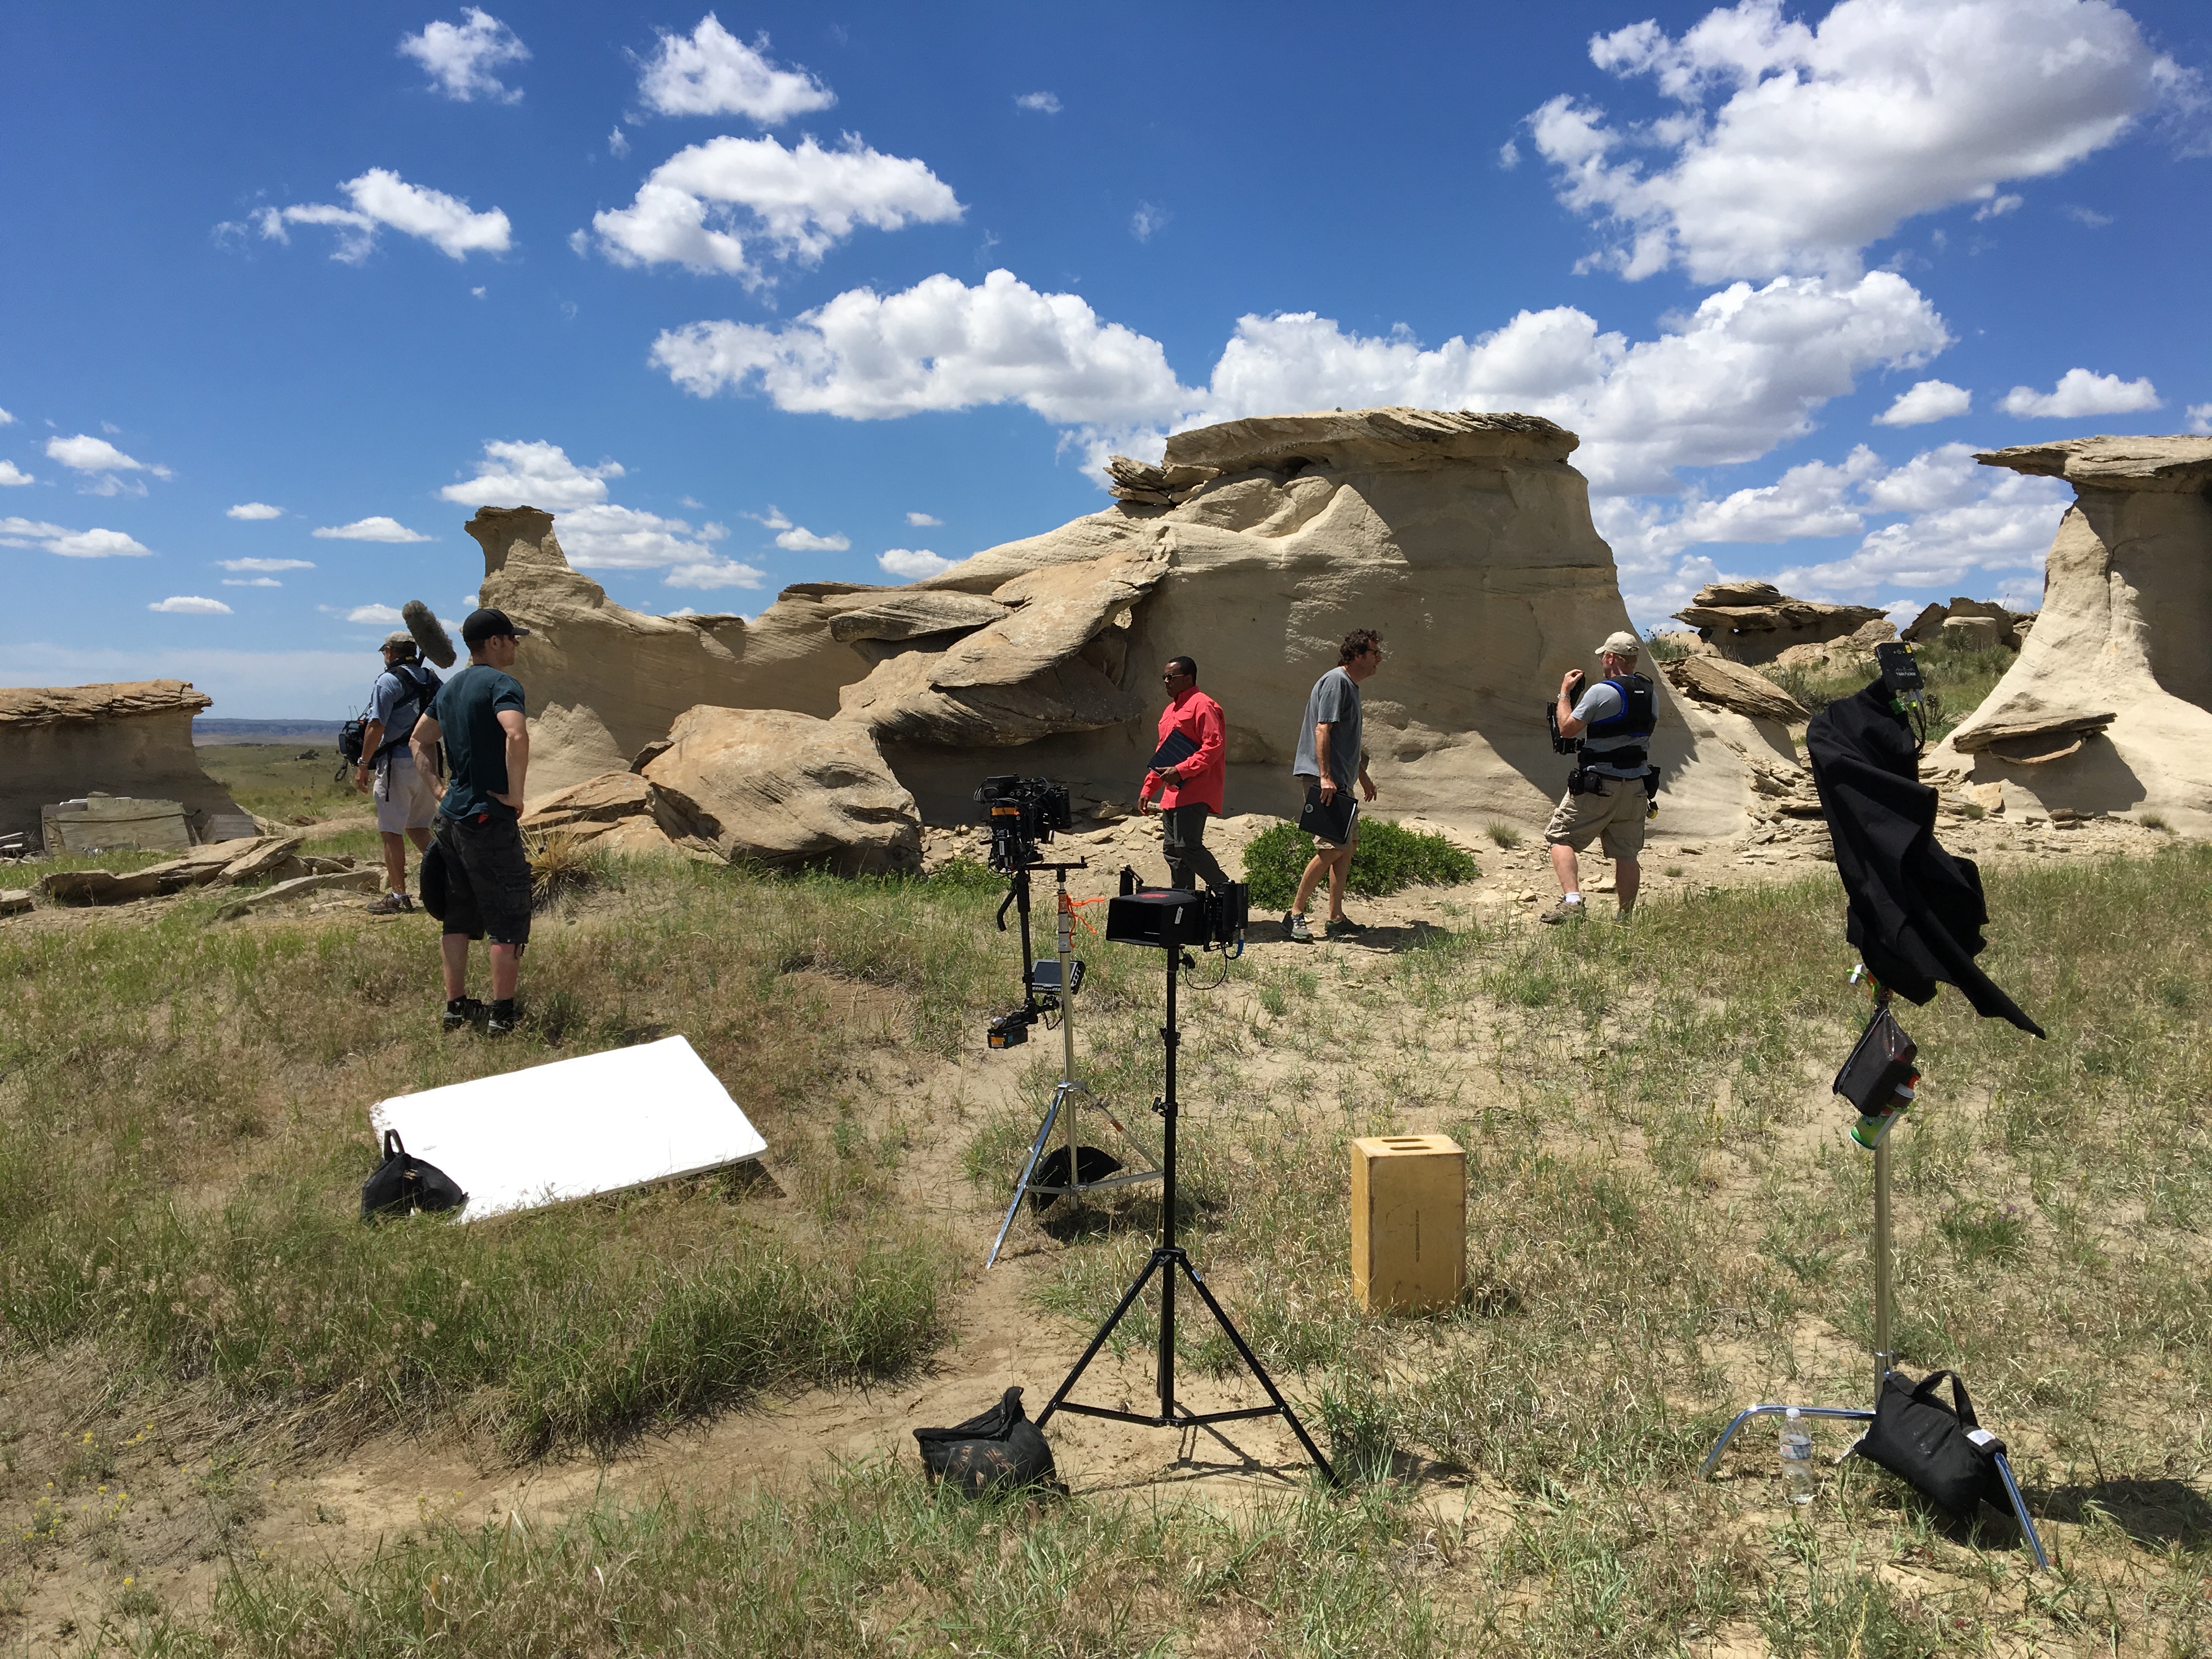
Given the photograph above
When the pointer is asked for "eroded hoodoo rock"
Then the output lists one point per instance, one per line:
(133, 738)
(1254, 546)
(2109, 705)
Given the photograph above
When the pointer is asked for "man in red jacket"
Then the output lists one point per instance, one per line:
(1194, 738)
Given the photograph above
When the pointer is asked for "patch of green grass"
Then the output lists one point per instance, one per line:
(1387, 858)
(1959, 679)
(184, 1130)
(870, 1560)
(286, 782)
(1504, 835)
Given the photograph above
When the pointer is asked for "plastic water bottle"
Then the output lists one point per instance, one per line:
(1797, 1458)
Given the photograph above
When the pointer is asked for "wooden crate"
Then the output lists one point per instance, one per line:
(1408, 1222)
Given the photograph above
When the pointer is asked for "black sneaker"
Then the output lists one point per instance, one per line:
(503, 1019)
(1295, 929)
(464, 1011)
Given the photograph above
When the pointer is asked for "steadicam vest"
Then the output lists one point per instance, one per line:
(1639, 718)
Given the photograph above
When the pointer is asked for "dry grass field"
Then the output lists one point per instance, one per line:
(230, 1415)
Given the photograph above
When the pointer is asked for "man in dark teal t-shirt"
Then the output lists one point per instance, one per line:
(478, 715)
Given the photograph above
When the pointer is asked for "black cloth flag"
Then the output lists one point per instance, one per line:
(1917, 912)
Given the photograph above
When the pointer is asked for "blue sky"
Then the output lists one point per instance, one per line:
(780, 294)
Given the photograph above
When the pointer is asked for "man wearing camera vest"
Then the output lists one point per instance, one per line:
(406, 800)
(1608, 799)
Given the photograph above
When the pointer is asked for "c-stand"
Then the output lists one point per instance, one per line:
(1046, 986)
(1167, 1259)
(1885, 1354)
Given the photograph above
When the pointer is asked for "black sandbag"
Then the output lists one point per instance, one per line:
(403, 1183)
(1000, 1450)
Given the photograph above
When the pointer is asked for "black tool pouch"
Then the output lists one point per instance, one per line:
(1941, 1451)
(999, 1451)
(403, 1183)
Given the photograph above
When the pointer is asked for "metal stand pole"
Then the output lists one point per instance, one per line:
(1063, 1094)
(1885, 1361)
(1167, 1260)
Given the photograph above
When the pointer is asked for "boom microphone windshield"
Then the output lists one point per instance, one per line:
(429, 633)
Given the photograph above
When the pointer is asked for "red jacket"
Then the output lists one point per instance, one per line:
(1198, 717)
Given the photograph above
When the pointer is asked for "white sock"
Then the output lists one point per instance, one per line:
(1571, 898)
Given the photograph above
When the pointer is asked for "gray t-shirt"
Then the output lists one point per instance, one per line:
(397, 700)
(1602, 702)
(1334, 702)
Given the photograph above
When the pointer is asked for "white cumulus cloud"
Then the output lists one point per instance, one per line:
(1044, 103)
(605, 537)
(70, 543)
(377, 529)
(713, 572)
(11, 475)
(2080, 392)
(191, 604)
(799, 539)
(383, 614)
(251, 581)
(6, 419)
(534, 474)
(1791, 148)
(2002, 521)
(922, 520)
(1925, 401)
(911, 564)
(266, 564)
(710, 71)
(938, 345)
(2200, 417)
(253, 510)
(101, 461)
(702, 207)
(460, 58)
(1742, 373)
(382, 198)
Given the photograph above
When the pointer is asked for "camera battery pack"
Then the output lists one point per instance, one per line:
(1880, 1068)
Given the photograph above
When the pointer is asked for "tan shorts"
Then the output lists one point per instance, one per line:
(1616, 818)
(406, 799)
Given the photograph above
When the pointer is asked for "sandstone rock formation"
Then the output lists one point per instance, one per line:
(2109, 704)
(774, 788)
(1982, 622)
(1755, 622)
(1253, 546)
(1720, 683)
(58, 742)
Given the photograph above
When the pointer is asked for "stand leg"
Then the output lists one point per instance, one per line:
(1849, 1413)
(1252, 1364)
(1021, 1186)
(2019, 1514)
(1128, 1301)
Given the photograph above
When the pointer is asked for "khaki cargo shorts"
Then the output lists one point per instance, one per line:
(1616, 818)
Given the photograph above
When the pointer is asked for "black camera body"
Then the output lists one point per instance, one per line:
(1172, 919)
(1023, 814)
(1562, 745)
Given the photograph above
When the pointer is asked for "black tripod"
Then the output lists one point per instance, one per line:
(1167, 1259)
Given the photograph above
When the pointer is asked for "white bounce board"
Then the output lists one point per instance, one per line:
(601, 1123)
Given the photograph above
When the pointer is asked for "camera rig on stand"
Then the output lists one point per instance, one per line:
(1025, 812)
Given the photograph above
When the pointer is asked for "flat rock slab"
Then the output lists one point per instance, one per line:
(97, 887)
(355, 881)
(15, 901)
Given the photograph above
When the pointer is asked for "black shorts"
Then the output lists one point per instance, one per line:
(487, 877)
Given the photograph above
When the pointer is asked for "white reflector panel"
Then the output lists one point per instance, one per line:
(597, 1124)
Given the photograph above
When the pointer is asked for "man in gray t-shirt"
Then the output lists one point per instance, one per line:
(1330, 754)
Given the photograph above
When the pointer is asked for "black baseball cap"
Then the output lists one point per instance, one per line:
(489, 624)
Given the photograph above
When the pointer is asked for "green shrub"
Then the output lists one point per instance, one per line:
(1388, 858)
